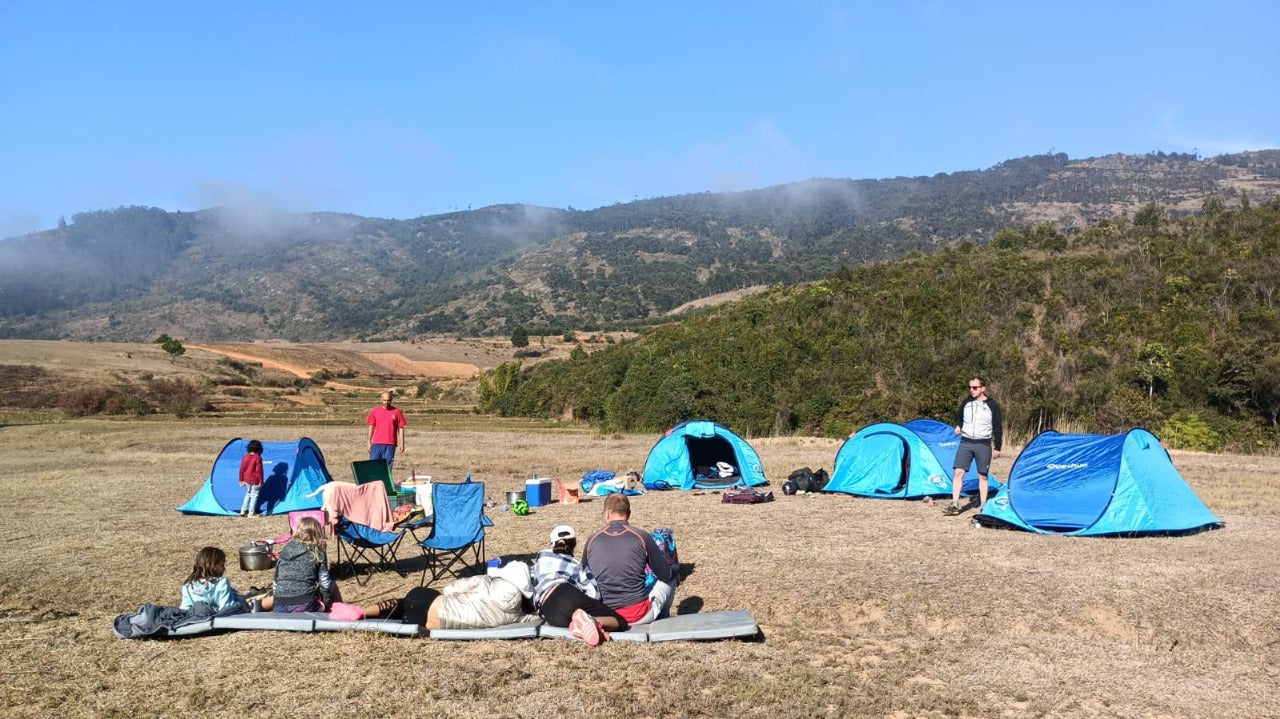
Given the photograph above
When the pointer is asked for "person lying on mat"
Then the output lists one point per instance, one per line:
(566, 595)
(617, 555)
(500, 596)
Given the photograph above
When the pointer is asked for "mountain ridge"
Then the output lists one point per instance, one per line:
(244, 273)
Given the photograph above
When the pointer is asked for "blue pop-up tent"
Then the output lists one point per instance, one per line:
(677, 457)
(291, 470)
(901, 461)
(1092, 485)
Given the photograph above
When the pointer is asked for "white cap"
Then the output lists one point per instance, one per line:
(563, 531)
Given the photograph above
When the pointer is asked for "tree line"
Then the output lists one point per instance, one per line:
(1160, 322)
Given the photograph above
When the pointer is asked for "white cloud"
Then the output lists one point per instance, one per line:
(1208, 144)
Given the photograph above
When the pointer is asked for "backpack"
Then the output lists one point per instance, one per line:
(806, 480)
(666, 542)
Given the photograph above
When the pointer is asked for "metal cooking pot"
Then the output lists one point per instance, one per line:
(256, 558)
(513, 496)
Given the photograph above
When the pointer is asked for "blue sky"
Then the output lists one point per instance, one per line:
(399, 110)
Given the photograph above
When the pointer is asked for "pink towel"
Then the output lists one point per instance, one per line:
(364, 504)
(340, 612)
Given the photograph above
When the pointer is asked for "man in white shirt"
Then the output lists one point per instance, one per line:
(980, 426)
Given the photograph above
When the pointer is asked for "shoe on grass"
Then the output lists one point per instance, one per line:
(584, 627)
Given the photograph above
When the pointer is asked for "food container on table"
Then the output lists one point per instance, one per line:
(421, 486)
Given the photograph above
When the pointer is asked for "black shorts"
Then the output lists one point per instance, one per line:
(563, 599)
(971, 451)
(413, 608)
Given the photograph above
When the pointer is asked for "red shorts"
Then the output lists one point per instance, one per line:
(635, 612)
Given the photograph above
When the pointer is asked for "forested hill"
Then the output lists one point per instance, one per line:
(1168, 324)
(232, 273)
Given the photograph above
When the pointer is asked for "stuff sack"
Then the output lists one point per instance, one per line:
(745, 496)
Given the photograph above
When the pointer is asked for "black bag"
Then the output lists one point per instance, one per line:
(806, 480)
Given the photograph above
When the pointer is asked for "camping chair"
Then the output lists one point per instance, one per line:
(374, 470)
(296, 516)
(568, 492)
(458, 526)
(372, 547)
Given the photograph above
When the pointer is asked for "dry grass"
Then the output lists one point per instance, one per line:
(869, 608)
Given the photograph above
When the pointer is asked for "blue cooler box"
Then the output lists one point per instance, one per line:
(537, 491)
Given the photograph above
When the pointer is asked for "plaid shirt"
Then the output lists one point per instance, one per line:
(550, 569)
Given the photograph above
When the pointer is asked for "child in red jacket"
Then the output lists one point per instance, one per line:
(251, 478)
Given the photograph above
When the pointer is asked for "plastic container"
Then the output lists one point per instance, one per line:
(420, 485)
(537, 491)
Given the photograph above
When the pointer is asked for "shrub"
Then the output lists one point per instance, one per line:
(1189, 431)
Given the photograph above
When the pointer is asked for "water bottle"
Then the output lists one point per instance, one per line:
(468, 478)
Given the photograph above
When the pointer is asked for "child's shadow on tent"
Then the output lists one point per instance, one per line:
(274, 486)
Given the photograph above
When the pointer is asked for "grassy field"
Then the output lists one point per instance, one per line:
(869, 608)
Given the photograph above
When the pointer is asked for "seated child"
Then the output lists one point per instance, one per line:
(206, 583)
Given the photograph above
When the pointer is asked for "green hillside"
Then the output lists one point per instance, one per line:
(1156, 322)
(241, 273)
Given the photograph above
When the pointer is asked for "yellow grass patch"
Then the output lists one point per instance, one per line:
(869, 608)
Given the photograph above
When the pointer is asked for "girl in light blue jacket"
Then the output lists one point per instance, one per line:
(206, 583)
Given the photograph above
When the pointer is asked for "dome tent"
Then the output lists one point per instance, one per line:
(1098, 485)
(291, 470)
(677, 457)
(901, 461)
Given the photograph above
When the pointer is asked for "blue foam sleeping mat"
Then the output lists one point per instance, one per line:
(685, 627)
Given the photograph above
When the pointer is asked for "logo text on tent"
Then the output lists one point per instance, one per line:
(1073, 465)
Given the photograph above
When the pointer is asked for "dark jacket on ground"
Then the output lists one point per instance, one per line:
(155, 620)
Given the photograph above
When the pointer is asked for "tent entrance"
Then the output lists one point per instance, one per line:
(704, 452)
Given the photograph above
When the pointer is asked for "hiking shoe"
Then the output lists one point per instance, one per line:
(951, 510)
(584, 627)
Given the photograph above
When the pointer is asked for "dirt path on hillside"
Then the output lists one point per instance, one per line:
(273, 364)
(400, 364)
(392, 362)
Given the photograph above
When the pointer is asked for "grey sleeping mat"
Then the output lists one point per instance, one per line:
(313, 622)
(686, 627)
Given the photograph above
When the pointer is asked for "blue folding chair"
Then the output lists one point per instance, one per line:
(374, 548)
(457, 530)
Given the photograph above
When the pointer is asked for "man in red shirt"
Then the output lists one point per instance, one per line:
(386, 430)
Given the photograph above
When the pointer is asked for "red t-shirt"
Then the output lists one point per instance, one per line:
(251, 468)
(385, 423)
